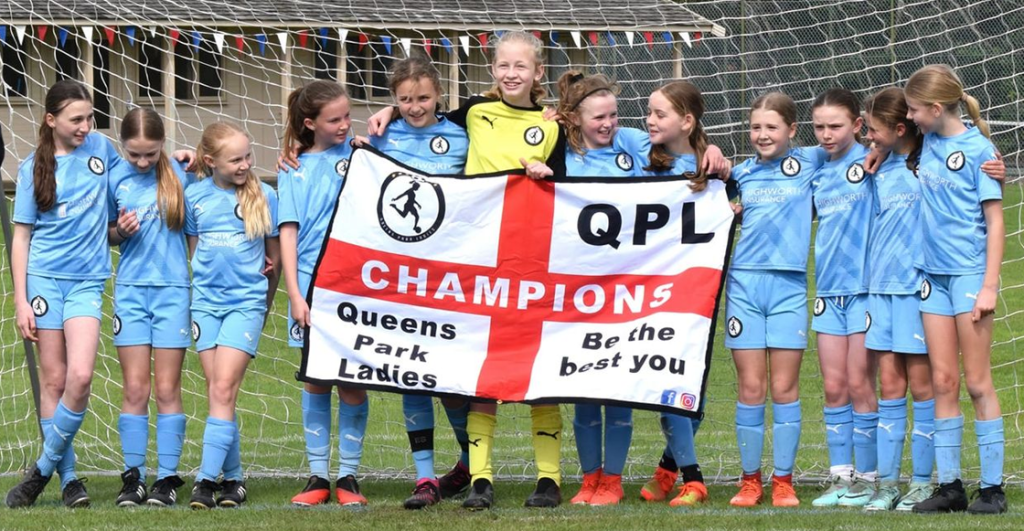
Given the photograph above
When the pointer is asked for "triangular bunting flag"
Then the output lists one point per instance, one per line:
(19, 32)
(342, 35)
(629, 37)
(537, 34)
(447, 43)
(553, 37)
(87, 33)
(667, 36)
(407, 46)
(686, 38)
(649, 37)
(464, 41)
(175, 34)
(697, 36)
(499, 33)
(611, 38)
(239, 42)
(427, 45)
(363, 40)
(62, 36)
(261, 40)
(41, 31)
(386, 39)
(130, 32)
(303, 38)
(483, 41)
(323, 38)
(218, 40)
(197, 39)
(282, 38)
(576, 38)
(152, 31)
(111, 35)
(593, 38)
(3, 34)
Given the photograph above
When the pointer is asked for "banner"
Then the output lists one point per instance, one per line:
(507, 289)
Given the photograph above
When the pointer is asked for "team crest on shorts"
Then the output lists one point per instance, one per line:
(341, 168)
(534, 135)
(439, 145)
(624, 161)
(735, 327)
(867, 321)
(296, 332)
(196, 331)
(39, 306)
(926, 289)
(96, 165)
(117, 324)
(955, 160)
(819, 306)
(410, 207)
(855, 173)
(790, 166)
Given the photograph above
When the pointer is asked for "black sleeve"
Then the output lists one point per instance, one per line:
(1, 146)
(732, 189)
(459, 116)
(556, 160)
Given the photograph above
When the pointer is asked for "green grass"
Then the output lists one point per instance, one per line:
(267, 510)
(272, 443)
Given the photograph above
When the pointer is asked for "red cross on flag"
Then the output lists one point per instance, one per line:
(503, 288)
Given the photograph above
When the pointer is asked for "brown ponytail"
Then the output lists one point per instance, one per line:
(685, 99)
(44, 167)
(306, 102)
(573, 89)
(889, 106)
(170, 197)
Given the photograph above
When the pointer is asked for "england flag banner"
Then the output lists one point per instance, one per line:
(503, 288)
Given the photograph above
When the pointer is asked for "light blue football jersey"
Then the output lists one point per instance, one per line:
(156, 255)
(625, 157)
(895, 242)
(953, 187)
(776, 197)
(844, 200)
(439, 149)
(70, 240)
(681, 165)
(226, 266)
(307, 196)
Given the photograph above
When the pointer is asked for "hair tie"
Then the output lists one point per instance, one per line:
(587, 95)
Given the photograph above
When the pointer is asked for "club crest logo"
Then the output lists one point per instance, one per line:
(238, 212)
(39, 306)
(296, 332)
(955, 160)
(624, 161)
(439, 145)
(855, 173)
(534, 135)
(341, 168)
(96, 165)
(926, 290)
(196, 331)
(117, 324)
(410, 208)
(790, 166)
(735, 327)
(819, 306)
(867, 321)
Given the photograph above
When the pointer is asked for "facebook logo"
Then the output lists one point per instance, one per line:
(668, 398)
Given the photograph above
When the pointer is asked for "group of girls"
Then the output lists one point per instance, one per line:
(239, 233)
(75, 197)
(907, 254)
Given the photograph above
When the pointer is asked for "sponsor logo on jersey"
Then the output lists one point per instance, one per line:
(96, 165)
(534, 135)
(624, 161)
(735, 327)
(819, 306)
(790, 166)
(410, 208)
(855, 173)
(341, 168)
(39, 306)
(955, 160)
(439, 145)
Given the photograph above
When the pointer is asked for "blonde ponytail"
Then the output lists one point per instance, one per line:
(253, 205)
(974, 111)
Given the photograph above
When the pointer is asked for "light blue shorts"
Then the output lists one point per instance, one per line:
(151, 315)
(840, 316)
(950, 294)
(895, 325)
(239, 329)
(766, 309)
(56, 300)
(296, 333)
